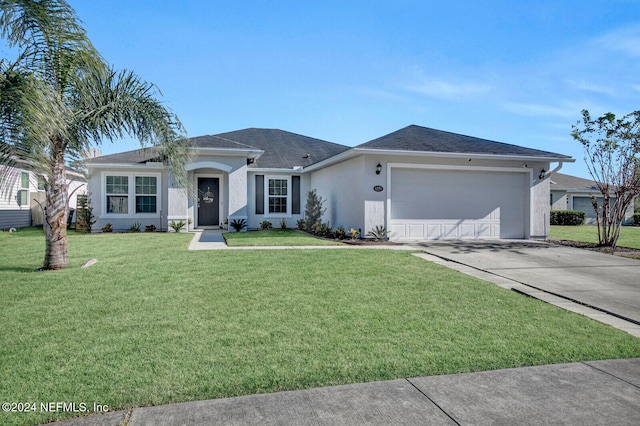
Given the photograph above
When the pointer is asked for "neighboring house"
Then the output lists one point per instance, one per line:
(77, 185)
(574, 193)
(15, 194)
(22, 196)
(419, 183)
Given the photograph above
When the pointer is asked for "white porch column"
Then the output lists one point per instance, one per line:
(238, 193)
(178, 204)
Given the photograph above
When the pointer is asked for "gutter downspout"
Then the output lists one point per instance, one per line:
(560, 163)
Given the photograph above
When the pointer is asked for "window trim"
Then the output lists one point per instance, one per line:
(107, 194)
(267, 213)
(145, 194)
(23, 191)
(131, 194)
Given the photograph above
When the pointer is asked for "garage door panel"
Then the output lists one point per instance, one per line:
(457, 204)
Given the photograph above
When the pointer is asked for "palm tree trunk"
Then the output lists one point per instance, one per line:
(56, 216)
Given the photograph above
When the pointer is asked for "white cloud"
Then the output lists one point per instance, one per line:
(447, 90)
(625, 40)
(535, 110)
(380, 94)
(591, 87)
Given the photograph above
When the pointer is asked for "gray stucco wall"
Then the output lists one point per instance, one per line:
(559, 200)
(342, 186)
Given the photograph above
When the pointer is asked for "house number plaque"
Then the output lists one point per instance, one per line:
(378, 188)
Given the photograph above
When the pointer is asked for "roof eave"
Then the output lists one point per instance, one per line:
(345, 155)
(148, 166)
(502, 157)
(249, 153)
(396, 152)
(578, 190)
(295, 170)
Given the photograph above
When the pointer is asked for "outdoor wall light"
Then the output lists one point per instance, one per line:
(542, 174)
(378, 168)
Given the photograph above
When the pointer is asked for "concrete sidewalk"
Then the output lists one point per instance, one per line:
(210, 239)
(593, 393)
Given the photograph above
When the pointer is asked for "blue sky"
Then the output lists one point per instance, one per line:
(350, 71)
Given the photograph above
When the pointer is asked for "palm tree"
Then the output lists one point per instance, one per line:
(59, 97)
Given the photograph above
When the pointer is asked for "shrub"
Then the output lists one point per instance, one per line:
(283, 224)
(318, 228)
(340, 233)
(353, 233)
(301, 224)
(238, 224)
(636, 219)
(84, 215)
(177, 226)
(378, 233)
(265, 224)
(567, 217)
(135, 227)
(313, 210)
(107, 228)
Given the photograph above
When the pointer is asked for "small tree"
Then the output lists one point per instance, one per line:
(84, 215)
(313, 210)
(59, 97)
(611, 151)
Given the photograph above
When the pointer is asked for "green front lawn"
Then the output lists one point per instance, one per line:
(275, 237)
(153, 323)
(629, 235)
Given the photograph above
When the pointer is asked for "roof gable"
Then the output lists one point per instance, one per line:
(282, 150)
(424, 139)
(136, 156)
(562, 181)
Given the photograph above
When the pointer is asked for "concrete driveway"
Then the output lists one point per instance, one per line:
(607, 282)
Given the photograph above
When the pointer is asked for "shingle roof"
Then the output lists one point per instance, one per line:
(417, 138)
(281, 149)
(562, 181)
(286, 150)
(141, 155)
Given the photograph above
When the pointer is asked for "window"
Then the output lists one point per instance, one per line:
(146, 193)
(132, 195)
(40, 183)
(278, 195)
(23, 197)
(117, 192)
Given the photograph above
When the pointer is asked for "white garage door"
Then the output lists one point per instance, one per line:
(452, 204)
(583, 204)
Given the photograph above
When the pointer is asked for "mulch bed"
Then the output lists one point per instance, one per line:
(365, 242)
(619, 251)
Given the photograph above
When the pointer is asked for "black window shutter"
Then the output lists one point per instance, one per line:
(295, 194)
(259, 194)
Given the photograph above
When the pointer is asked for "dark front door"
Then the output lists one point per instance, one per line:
(208, 202)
